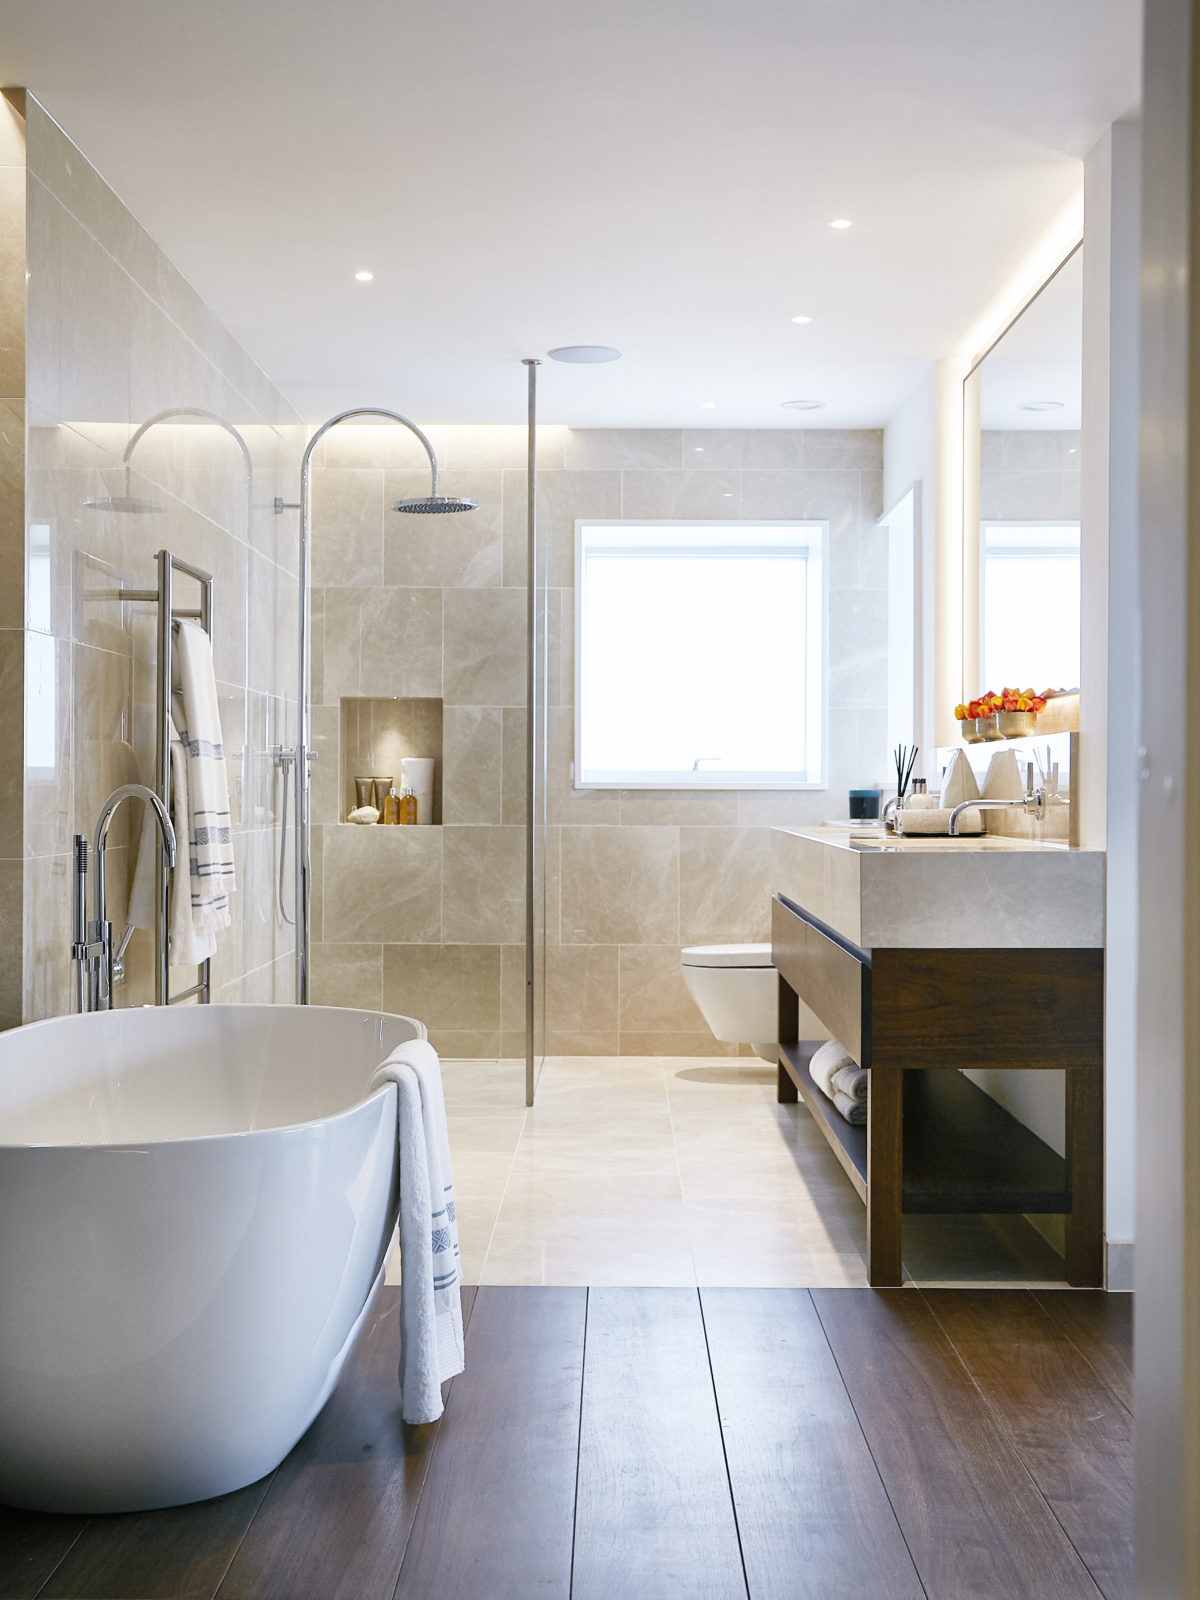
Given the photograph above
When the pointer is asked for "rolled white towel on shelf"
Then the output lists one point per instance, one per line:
(851, 1081)
(830, 1058)
(854, 1111)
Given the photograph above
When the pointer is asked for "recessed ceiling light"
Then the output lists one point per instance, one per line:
(364, 276)
(801, 320)
(584, 355)
(1040, 405)
(708, 405)
(841, 222)
(699, 449)
(802, 405)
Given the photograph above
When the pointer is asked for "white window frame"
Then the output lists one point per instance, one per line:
(1004, 523)
(680, 534)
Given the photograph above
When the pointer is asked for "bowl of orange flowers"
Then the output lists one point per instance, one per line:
(1011, 714)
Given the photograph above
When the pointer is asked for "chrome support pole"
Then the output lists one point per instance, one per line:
(162, 774)
(531, 785)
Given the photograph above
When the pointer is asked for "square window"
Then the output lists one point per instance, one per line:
(1029, 576)
(699, 655)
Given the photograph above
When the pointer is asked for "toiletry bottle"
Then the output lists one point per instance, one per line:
(408, 806)
(391, 806)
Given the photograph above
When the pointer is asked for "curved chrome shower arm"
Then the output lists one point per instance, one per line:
(206, 416)
(304, 752)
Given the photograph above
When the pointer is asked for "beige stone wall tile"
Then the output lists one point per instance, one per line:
(512, 1045)
(654, 997)
(657, 495)
(380, 444)
(831, 495)
(620, 885)
(454, 986)
(497, 445)
(512, 990)
(857, 674)
(860, 448)
(674, 1044)
(483, 899)
(48, 989)
(607, 1043)
(624, 447)
(514, 777)
(715, 449)
(462, 549)
(12, 514)
(347, 527)
(566, 804)
(316, 917)
(382, 885)
(12, 282)
(485, 656)
(12, 734)
(773, 447)
(451, 1045)
(725, 885)
(562, 497)
(674, 807)
(400, 648)
(326, 772)
(13, 106)
(581, 993)
(786, 808)
(11, 931)
(472, 755)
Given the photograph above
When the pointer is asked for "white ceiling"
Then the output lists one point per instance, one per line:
(652, 174)
(1039, 358)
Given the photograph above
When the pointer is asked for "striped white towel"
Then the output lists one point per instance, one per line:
(430, 1301)
(210, 834)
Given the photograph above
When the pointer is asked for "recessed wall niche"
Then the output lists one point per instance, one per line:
(376, 736)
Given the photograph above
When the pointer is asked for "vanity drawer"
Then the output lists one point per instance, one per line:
(831, 977)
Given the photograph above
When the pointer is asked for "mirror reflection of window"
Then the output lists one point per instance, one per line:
(1030, 605)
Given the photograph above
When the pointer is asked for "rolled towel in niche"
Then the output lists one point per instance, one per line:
(416, 773)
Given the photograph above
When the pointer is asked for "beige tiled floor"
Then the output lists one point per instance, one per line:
(672, 1171)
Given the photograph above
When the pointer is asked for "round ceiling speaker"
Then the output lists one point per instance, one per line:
(584, 355)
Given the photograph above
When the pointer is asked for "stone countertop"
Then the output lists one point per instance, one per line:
(930, 892)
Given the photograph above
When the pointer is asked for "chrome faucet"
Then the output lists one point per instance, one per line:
(92, 949)
(1034, 801)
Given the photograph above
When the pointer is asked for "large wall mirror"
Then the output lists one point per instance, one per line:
(1021, 527)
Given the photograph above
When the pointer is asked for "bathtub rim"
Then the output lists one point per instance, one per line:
(201, 1139)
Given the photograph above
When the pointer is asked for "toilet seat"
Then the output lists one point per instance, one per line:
(727, 955)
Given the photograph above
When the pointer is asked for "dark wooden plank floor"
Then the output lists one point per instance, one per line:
(814, 1517)
(654, 1516)
(765, 1443)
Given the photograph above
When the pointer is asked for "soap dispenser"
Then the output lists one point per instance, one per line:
(391, 806)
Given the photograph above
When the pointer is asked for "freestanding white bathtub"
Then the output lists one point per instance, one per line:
(195, 1209)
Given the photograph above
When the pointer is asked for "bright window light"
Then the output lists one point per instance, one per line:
(699, 655)
(1030, 581)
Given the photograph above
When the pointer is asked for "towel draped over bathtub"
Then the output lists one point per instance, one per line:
(430, 1301)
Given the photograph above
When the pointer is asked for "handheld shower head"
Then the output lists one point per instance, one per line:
(435, 504)
(121, 502)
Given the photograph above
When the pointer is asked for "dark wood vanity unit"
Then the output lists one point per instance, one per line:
(934, 1142)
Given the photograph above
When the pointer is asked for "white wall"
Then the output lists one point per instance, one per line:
(910, 457)
(1123, 677)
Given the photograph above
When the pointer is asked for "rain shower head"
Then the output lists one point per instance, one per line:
(127, 503)
(435, 504)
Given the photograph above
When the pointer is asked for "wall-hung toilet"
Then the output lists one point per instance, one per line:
(737, 989)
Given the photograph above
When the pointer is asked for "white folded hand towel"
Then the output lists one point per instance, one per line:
(430, 1300)
(830, 1058)
(210, 837)
(854, 1111)
(850, 1081)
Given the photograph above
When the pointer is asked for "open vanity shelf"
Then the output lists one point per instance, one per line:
(934, 1142)
(963, 1153)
